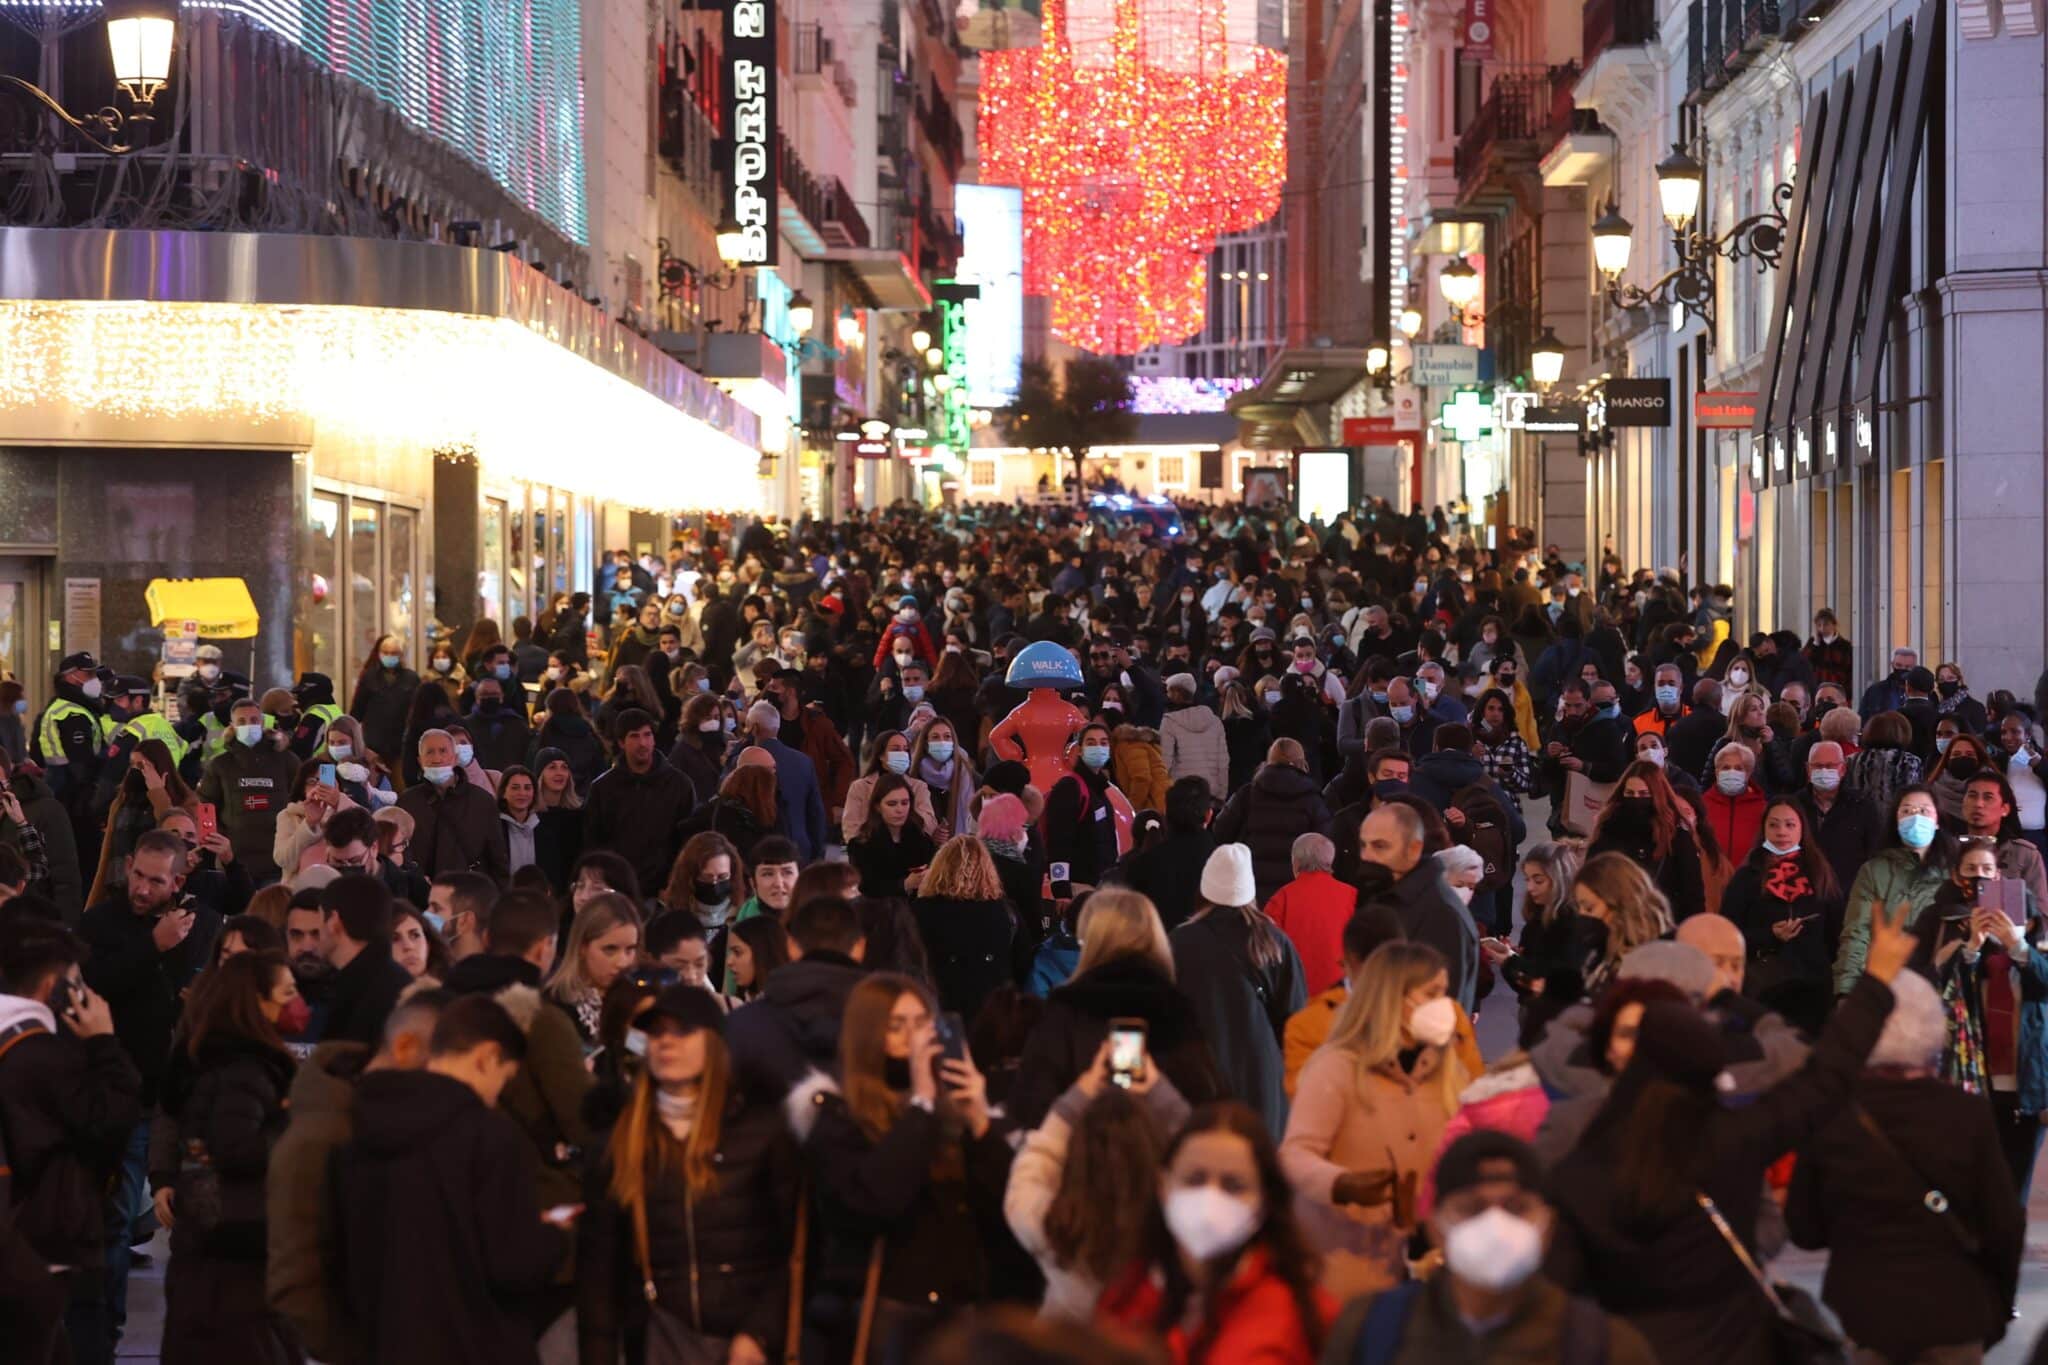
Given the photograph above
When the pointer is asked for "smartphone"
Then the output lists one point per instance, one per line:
(952, 1036)
(1126, 1051)
(209, 821)
(562, 1215)
(2008, 897)
(327, 776)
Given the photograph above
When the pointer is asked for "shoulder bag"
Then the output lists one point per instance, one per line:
(671, 1341)
(1800, 1331)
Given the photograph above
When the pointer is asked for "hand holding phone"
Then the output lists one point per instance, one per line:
(1127, 1060)
(328, 777)
(209, 820)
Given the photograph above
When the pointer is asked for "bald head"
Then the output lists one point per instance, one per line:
(1721, 941)
(1287, 753)
(1391, 837)
(754, 756)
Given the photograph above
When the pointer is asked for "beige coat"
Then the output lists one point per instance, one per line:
(855, 813)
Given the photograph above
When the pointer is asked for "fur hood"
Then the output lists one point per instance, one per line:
(1495, 1084)
(801, 1106)
(1134, 734)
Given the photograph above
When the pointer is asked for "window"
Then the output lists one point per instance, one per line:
(400, 594)
(363, 557)
(365, 579)
(1173, 471)
(490, 584)
(981, 474)
(320, 610)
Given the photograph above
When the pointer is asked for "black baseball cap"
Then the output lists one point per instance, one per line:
(688, 1007)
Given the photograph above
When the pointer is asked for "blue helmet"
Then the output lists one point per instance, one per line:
(1044, 664)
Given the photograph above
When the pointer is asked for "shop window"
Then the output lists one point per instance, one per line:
(363, 581)
(320, 603)
(401, 597)
(1173, 471)
(981, 474)
(490, 578)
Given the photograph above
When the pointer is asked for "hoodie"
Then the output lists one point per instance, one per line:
(545, 1098)
(303, 1220)
(430, 1157)
(793, 1027)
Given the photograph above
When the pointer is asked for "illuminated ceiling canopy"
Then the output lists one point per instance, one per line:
(1140, 132)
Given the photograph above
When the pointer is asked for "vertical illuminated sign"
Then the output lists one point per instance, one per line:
(992, 258)
(749, 106)
(1397, 165)
(959, 431)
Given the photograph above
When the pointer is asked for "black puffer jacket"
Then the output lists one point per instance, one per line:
(1280, 805)
(230, 1099)
(639, 816)
(793, 1026)
(383, 697)
(968, 944)
(1076, 1021)
(739, 1235)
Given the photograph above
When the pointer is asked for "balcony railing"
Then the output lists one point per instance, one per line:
(1726, 37)
(1617, 23)
(843, 224)
(1515, 122)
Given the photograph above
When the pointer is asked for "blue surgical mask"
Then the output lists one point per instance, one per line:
(941, 751)
(249, 735)
(503, 671)
(465, 754)
(21, 706)
(1095, 755)
(913, 692)
(1403, 714)
(703, 684)
(1941, 743)
(1732, 781)
(1777, 852)
(1916, 831)
(341, 753)
(1667, 695)
(388, 660)
(434, 921)
(1611, 711)
(1380, 698)
(439, 776)
(897, 761)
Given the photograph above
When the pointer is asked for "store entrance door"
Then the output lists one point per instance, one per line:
(24, 612)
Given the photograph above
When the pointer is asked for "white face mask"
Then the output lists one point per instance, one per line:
(1207, 1222)
(1434, 1021)
(1732, 781)
(1494, 1251)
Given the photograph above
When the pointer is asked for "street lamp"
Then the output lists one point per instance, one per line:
(921, 340)
(801, 314)
(1460, 283)
(1680, 181)
(934, 357)
(849, 328)
(1411, 322)
(732, 241)
(1377, 358)
(1613, 236)
(1546, 360)
(141, 36)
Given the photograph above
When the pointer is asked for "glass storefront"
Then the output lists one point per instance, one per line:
(536, 544)
(363, 571)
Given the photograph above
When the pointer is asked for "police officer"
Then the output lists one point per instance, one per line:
(129, 712)
(215, 731)
(317, 710)
(72, 733)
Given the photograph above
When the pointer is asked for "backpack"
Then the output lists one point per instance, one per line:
(1583, 1341)
(1489, 833)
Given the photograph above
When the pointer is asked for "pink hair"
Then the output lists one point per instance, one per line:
(1004, 818)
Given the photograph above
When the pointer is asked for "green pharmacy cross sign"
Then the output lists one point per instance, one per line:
(1466, 416)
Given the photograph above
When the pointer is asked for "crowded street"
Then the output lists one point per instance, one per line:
(1023, 682)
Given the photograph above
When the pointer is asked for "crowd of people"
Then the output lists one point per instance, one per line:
(1021, 934)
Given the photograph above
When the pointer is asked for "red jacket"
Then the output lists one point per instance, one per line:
(917, 635)
(1312, 911)
(1737, 821)
(1258, 1320)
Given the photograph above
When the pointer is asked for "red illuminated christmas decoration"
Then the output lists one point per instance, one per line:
(1134, 154)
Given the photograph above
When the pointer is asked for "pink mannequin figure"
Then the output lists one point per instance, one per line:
(1039, 732)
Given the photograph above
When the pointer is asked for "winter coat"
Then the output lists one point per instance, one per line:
(639, 816)
(1431, 914)
(1756, 898)
(1348, 1120)
(1893, 876)
(1737, 821)
(819, 741)
(1258, 1319)
(968, 944)
(1248, 738)
(792, 1026)
(67, 1107)
(249, 788)
(1071, 1292)
(936, 1229)
(1678, 874)
(1901, 1283)
(456, 829)
(1169, 873)
(558, 843)
(1678, 1282)
(1510, 1101)
(578, 739)
(381, 702)
(502, 737)
(1067, 1036)
(720, 1259)
(884, 862)
(65, 883)
(703, 765)
(1281, 804)
(1192, 744)
(362, 996)
(301, 1215)
(231, 1100)
(1850, 834)
(1243, 1007)
(544, 1098)
(429, 1157)
(854, 812)
(142, 986)
(1053, 964)
(1140, 770)
(1312, 911)
(1536, 1329)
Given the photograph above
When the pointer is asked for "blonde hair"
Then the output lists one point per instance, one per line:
(1370, 1023)
(962, 870)
(1119, 923)
(1640, 912)
(599, 917)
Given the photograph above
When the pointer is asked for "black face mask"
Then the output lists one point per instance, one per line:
(896, 1072)
(1963, 766)
(1949, 689)
(712, 893)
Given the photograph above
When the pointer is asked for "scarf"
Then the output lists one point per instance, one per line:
(678, 1112)
(1786, 880)
(714, 916)
(1947, 705)
(959, 789)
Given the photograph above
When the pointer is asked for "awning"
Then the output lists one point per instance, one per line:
(885, 276)
(221, 608)
(1289, 406)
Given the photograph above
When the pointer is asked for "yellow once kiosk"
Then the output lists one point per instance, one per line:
(191, 610)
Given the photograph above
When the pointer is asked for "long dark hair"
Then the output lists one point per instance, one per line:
(1278, 1235)
(1819, 874)
(231, 1004)
(429, 708)
(888, 784)
(768, 941)
(159, 755)
(1663, 806)
(1943, 852)
(1096, 1222)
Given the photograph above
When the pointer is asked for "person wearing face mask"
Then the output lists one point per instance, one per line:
(907, 625)
(1734, 803)
(1919, 858)
(249, 785)
(1491, 1304)
(909, 1169)
(893, 756)
(1788, 905)
(691, 1210)
(497, 726)
(1087, 821)
(1828, 653)
(70, 736)
(455, 822)
(1369, 1110)
(898, 693)
(1225, 1271)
